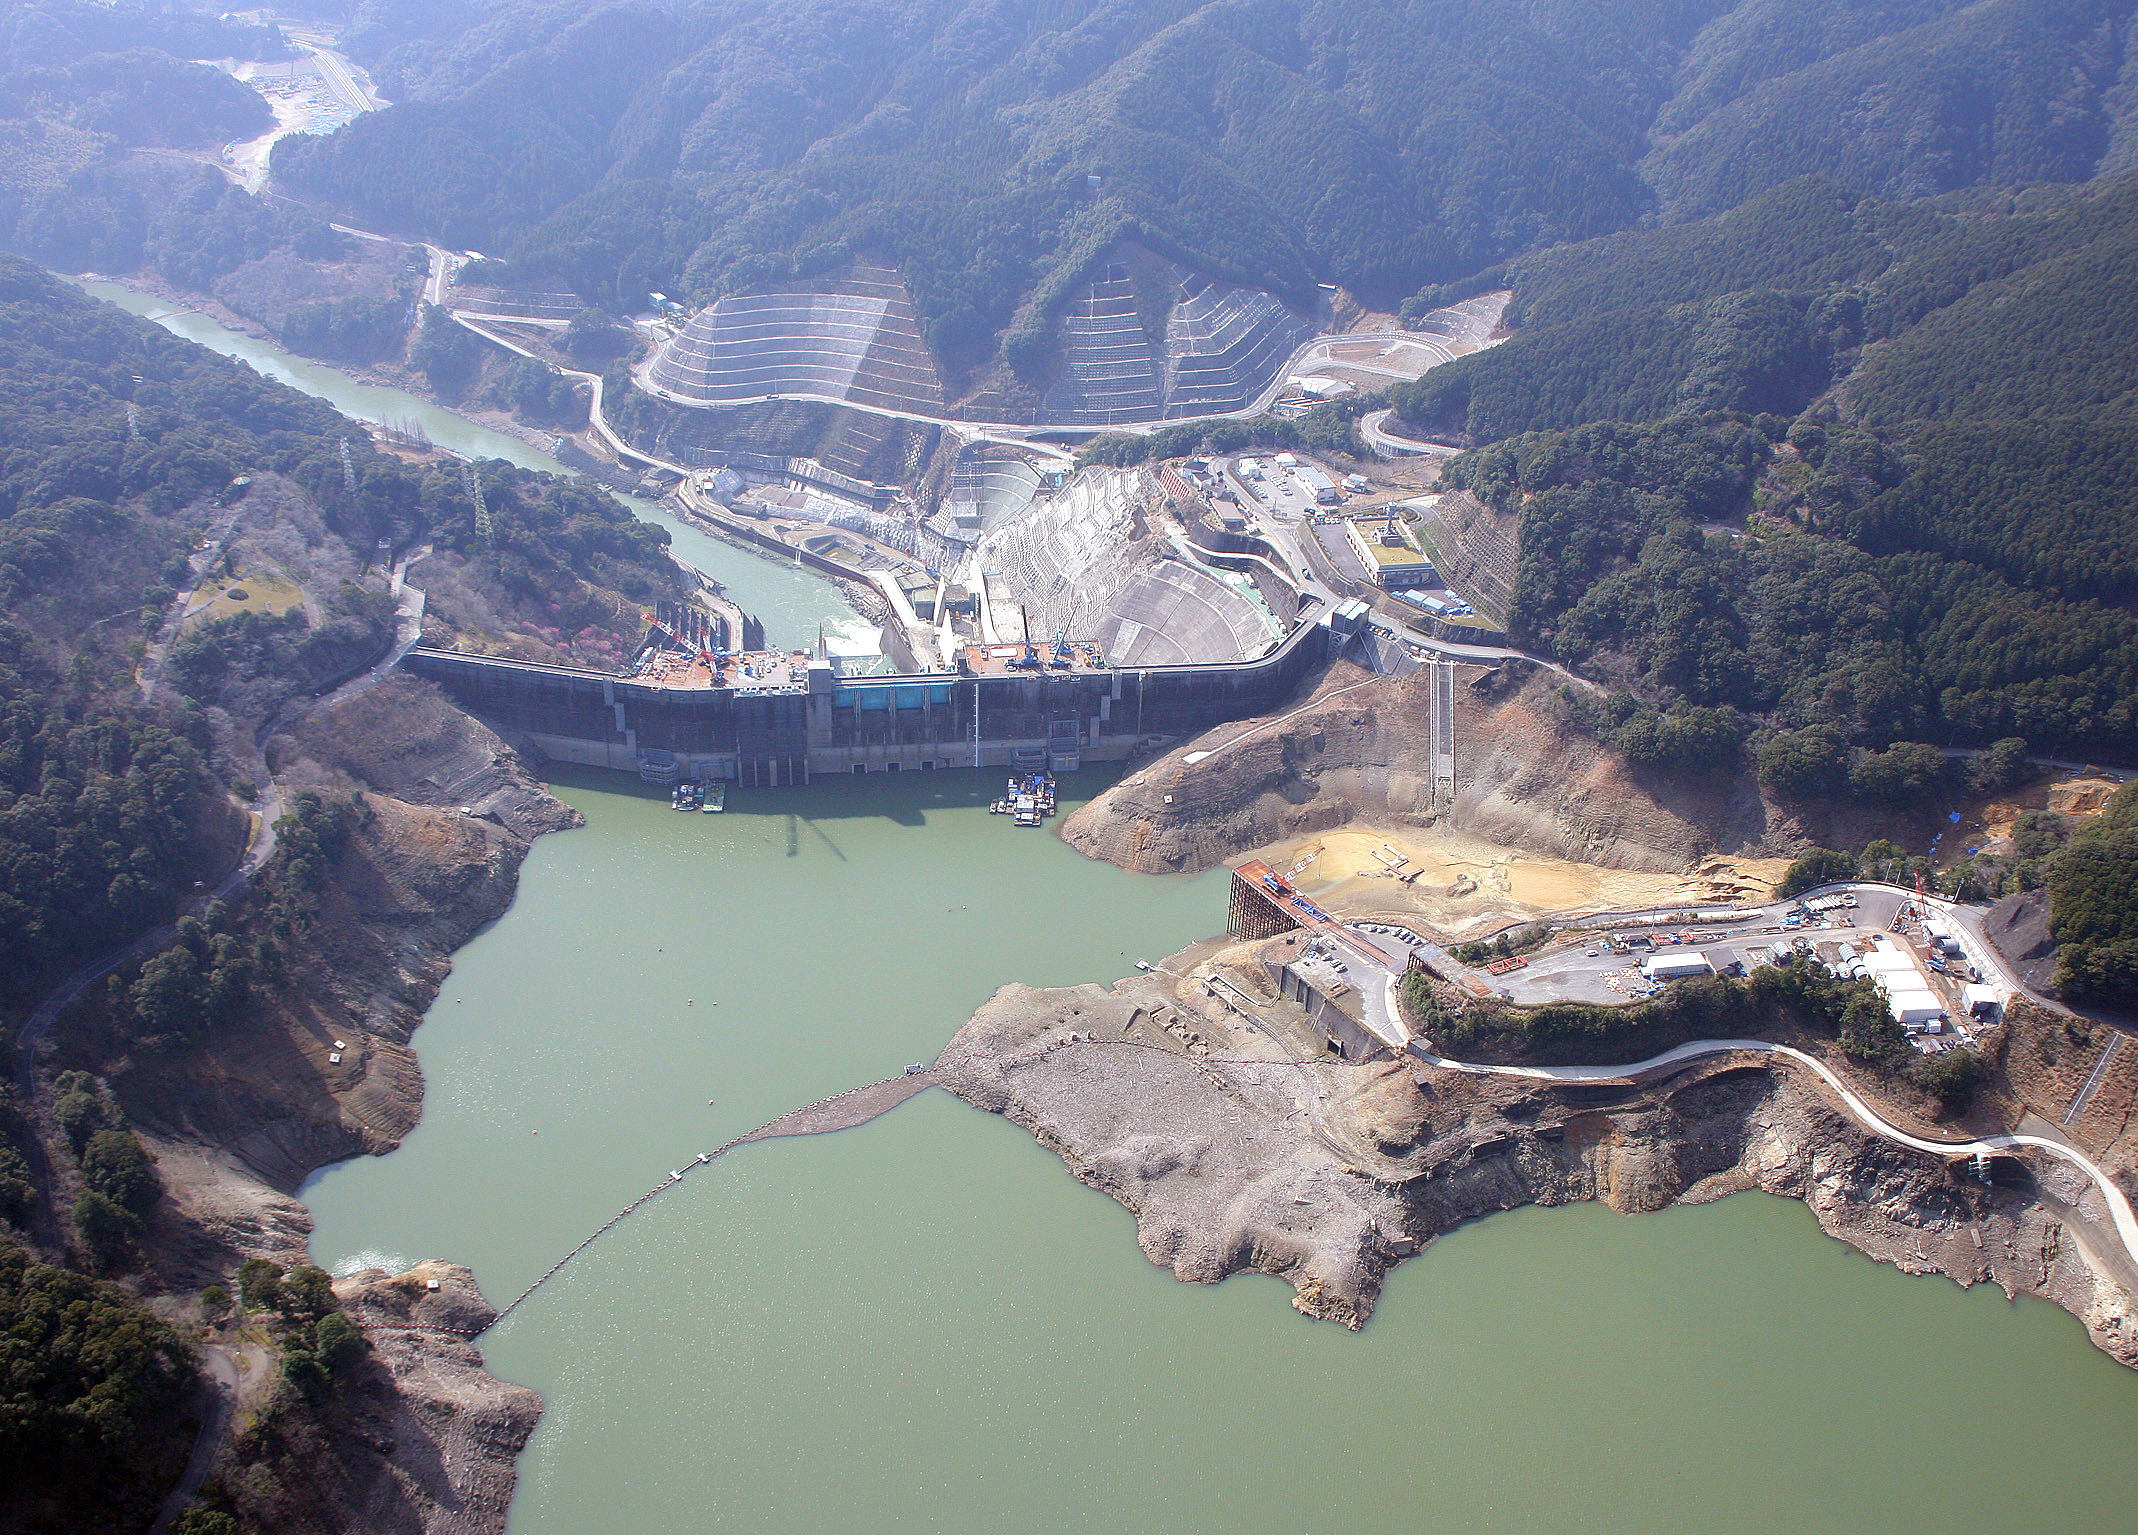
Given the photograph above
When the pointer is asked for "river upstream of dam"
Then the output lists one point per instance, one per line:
(926, 1324)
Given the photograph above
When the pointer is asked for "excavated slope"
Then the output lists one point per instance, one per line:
(1358, 749)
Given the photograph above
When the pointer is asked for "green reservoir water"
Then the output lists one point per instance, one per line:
(926, 1325)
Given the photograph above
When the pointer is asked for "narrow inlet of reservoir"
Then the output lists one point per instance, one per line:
(794, 603)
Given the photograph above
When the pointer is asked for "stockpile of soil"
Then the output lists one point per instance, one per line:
(1460, 884)
(2019, 926)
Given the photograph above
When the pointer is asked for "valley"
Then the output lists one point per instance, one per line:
(1561, 577)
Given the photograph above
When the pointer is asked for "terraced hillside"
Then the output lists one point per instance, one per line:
(851, 339)
(992, 154)
(1221, 347)
(1143, 341)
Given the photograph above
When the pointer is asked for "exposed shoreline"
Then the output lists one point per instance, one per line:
(1221, 1178)
(1231, 1167)
(239, 1126)
(1234, 1155)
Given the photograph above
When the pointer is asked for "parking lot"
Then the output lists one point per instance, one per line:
(1278, 492)
(1588, 969)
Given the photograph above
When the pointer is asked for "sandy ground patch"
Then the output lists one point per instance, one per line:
(1746, 879)
(1465, 884)
(1403, 356)
(1989, 825)
(254, 591)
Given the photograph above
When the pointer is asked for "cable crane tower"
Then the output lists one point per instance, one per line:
(484, 529)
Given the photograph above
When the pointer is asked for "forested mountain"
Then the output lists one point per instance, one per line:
(116, 434)
(2001, 92)
(91, 1385)
(1989, 307)
(1847, 619)
(1379, 145)
(76, 78)
(121, 446)
(1943, 460)
(616, 146)
(79, 83)
(2093, 889)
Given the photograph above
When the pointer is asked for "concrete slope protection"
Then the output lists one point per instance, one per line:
(853, 339)
(1075, 567)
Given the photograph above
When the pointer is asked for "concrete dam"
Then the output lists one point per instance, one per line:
(787, 719)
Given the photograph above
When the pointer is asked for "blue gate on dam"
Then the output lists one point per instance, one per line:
(834, 724)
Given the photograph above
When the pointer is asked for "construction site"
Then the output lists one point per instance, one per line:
(1142, 341)
(810, 420)
(1221, 349)
(853, 341)
(1033, 613)
(1346, 947)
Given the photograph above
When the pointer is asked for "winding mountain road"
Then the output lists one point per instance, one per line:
(2119, 1206)
(1373, 430)
(265, 811)
(222, 1377)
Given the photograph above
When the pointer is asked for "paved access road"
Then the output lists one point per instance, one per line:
(2119, 1207)
(264, 812)
(341, 77)
(222, 1375)
(1373, 430)
(1576, 974)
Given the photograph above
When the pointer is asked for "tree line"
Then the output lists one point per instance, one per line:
(1791, 571)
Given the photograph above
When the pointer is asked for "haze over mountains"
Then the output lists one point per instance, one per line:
(1378, 146)
(1809, 436)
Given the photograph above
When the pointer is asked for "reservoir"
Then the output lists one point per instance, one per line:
(926, 1324)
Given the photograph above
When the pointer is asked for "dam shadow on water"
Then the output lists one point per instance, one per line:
(926, 1324)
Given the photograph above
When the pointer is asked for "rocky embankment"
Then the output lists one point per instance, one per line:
(1360, 750)
(2019, 926)
(238, 1123)
(1526, 777)
(1326, 1175)
(1232, 1156)
(432, 1440)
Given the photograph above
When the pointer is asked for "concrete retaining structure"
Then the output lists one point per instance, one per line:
(905, 723)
